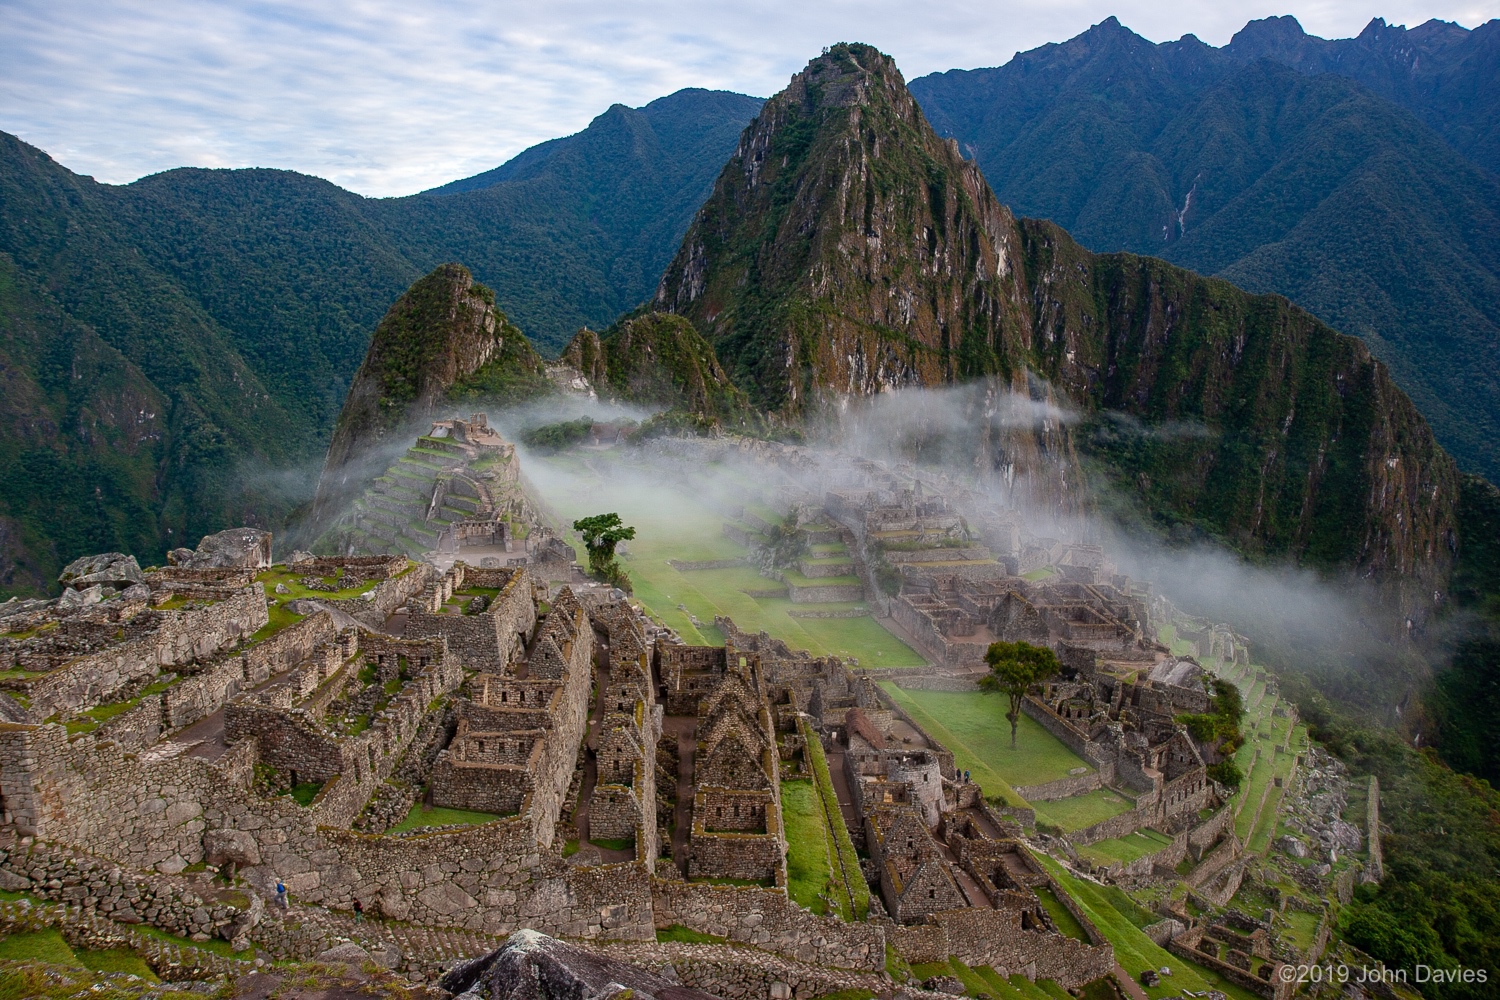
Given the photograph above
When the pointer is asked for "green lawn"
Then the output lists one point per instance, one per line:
(1134, 951)
(421, 815)
(1126, 849)
(674, 525)
(43, 946)
(974, 727)
(1068, 924)
(1080, 811)
(808, 865)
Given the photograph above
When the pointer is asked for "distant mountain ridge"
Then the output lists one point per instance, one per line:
(847, 250)
(216, 317)
(1271, 163)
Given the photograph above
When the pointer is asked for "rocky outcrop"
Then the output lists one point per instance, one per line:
(233, 548)
(442, 341)
(657, 360)
(115, 570)
(533, 966)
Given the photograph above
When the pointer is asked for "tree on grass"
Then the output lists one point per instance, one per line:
(601, 534)
(1014, 667)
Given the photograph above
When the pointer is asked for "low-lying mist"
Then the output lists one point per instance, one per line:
(998, 449)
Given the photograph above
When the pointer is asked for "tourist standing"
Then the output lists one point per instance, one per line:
(359, 911)
(281, 894)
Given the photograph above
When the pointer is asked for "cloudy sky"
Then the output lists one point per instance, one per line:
(389, 97)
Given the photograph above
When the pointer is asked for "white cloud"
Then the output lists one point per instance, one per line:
(388, 98)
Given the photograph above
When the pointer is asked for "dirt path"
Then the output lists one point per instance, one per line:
(1129, 985)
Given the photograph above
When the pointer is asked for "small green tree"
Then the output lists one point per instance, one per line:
(602, 533)
(1014, 667)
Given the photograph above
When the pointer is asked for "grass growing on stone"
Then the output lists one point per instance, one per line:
(43, 946)
(1125, 849)
(851, 897)
(685, 935)
(421, 815)
(1134, 951)
(1079, 811)
(809, 863)
(970, 724)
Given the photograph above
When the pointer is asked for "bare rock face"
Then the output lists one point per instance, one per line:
(236, 548)
(533, 966)
(108, 569)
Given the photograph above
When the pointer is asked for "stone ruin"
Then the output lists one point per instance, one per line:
(623, 781)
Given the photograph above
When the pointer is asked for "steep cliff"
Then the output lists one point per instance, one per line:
(658, 360)
(442, 342)
(847, 251)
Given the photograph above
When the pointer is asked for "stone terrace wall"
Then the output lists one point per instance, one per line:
(767, 919)
(995, 938)
(183, 636)
(138, 727)
(730, 971)
(91, 794)
(1062, 788)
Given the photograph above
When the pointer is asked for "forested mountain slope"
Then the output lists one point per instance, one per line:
(846, 250)
(242, 301)
(1309, 185)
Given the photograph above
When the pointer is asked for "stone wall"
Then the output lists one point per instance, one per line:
(138, 727)
(1062, 788)
(181, 637)
(996, 938)
(767, 919)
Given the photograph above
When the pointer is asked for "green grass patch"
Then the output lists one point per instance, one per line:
(1134, 951)
(40, 946)
(676, 526)
(926, 970)
(1125, 849)
(1067, 924)
(996, 985)
(421, 815)
(795, 579)
(120, 960)
(280, 618)
(613, 843)
(304, 792)
(685, 935)
(1301, 928)
(973, 984)
(809, 865)
(852, 897)
(974, 727)
(218, 946)
(852, 994)
(1080, 811)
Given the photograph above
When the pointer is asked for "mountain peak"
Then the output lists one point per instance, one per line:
(844, 245)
